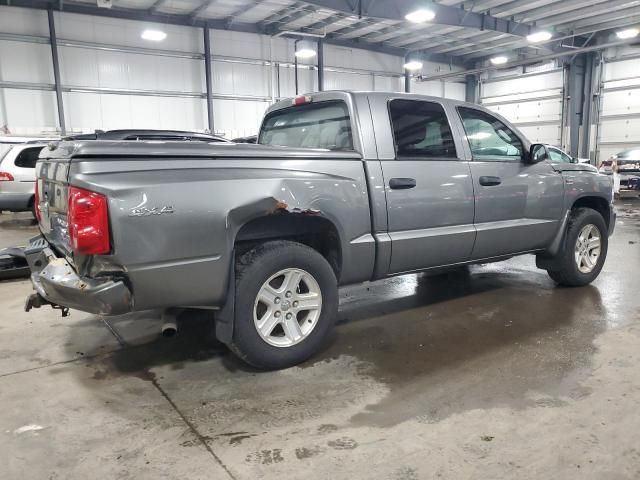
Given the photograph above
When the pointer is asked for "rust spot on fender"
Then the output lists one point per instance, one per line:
(280, 205)
(283, 207)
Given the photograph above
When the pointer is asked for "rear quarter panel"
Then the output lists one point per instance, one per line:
(183, 258)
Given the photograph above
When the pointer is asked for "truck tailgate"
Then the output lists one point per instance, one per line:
(51, 179)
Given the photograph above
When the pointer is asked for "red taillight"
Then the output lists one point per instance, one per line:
(36, 202)
(88, 219)
(6, 177)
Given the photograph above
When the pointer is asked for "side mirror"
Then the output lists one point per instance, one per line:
(538, 153)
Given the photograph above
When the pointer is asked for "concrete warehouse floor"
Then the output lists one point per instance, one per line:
(492, 374)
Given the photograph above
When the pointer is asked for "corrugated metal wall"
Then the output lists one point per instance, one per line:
(112, 78)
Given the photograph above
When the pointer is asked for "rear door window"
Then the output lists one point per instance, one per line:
(421, 130)
(28, 157)
(313, 125)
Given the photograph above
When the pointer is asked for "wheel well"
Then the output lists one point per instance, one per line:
(313, 231)
(598, 204)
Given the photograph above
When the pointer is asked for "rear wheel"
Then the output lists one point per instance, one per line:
(286, 304)
(585, 249)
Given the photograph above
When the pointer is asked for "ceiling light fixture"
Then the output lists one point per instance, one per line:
(500, 60)
(541, 36)
(628, 33)
(420, 16)
(413, 65)
(305, 53)
(153, 35)
(305, 49)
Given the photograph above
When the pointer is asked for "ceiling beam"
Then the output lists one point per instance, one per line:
(556, 8)
(284, 12)
(451, 46)
(520, 6)
(525, 61)
(200, 8)
(605, 17)
(572, 17)
(445, 15)
(325, 22)
(241, 11)
(272, 27)
(82, 8)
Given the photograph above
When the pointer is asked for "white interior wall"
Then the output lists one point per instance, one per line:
(26, 111)
(531, 100)
(439, 88)
(112, 78)
(453, 88)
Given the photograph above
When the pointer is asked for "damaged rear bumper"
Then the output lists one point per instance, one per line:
(55, 280)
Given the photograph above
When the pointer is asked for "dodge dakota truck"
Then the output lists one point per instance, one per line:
(341, 188)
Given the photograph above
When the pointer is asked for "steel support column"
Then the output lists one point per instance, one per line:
(407, 76)
(207, 75)
(581, 96)
(588, 97)
(576, 102)
(320, 65)
(295, 65)
(471, 88)
(56, 71)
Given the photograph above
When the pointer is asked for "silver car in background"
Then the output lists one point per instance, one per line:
(17, 176)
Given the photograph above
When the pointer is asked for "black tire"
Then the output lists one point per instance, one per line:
(566, 271)
(32, 208)
(253, 269)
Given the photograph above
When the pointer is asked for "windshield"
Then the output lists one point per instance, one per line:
(314, 125)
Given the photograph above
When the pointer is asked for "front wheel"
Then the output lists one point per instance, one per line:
(585, 249)
(286, 304)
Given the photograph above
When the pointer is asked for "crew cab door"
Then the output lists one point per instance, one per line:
(428, 187)
(518, 202)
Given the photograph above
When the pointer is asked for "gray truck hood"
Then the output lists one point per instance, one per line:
(105, 148)
(574, 167)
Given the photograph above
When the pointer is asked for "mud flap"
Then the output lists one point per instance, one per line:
(224, 318)
(549, 259)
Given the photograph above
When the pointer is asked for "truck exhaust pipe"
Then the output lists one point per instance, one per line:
(169, 329)
(170, 322)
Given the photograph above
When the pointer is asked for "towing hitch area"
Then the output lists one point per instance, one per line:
(35, 300)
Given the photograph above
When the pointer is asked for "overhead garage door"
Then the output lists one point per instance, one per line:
(619, 124)
(531, 101)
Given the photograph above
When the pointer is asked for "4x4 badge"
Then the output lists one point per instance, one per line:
(145, 212)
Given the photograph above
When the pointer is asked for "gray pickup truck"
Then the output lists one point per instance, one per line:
(342, 188)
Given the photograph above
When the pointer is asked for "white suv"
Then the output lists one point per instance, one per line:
(17, 177)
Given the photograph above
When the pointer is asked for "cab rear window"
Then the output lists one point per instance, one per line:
(314, 125)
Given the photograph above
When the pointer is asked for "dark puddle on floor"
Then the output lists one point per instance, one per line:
(498, 336)
(195, 342)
